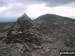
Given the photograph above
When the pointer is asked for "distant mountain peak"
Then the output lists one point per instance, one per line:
(51, 16)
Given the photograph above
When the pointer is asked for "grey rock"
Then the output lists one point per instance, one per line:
(43, 37)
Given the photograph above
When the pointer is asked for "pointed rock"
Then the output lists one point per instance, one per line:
(23, 23)
(23, 31)
(24, 17)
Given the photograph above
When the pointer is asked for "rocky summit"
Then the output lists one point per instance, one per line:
(23, 33)
(48, 35)
(23, 30)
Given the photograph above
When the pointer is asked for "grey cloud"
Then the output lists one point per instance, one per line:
(26, 2)
(51, 3)
(48, 2)
(17, 9)
(59, 2)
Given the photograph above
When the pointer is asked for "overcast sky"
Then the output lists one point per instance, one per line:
(35, 8)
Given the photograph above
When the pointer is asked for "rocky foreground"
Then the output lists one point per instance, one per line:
(41, 37)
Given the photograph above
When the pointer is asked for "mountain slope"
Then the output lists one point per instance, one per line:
(45, 36)
(57, 28)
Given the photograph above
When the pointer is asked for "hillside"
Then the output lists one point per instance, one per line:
(57, 28)
(45, 36)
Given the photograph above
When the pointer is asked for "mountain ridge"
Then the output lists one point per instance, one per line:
(51, 16)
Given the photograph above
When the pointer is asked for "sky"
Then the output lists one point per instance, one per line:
(35, 8)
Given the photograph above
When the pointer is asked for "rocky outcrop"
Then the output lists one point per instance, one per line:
(22, 31)
(48, 35)
(22, 37)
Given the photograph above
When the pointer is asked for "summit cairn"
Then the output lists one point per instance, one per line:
(21, 38)
(23, 31)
